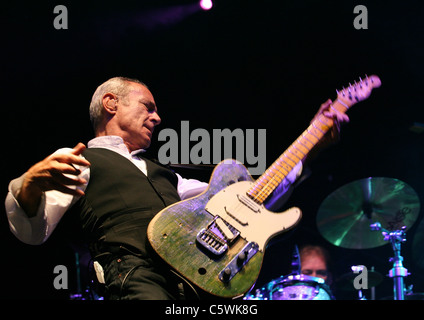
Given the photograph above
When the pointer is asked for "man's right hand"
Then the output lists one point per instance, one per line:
(52, 173)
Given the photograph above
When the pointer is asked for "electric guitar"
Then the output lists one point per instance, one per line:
(217, 240)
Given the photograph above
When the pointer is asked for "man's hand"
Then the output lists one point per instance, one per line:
(56, 172)
(333, 135)
(338, 118)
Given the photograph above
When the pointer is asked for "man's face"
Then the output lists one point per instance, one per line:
(314, 265)
(137, 116)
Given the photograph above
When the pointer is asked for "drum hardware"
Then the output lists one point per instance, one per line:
(344, 220)
(293, 287)
(78, 295)
(295, 263)
(398, 272)
(90, 290)
(361, 296)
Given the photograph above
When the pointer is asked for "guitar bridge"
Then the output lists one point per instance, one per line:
(217, 237)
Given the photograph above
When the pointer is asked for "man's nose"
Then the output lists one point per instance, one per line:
(156, 119)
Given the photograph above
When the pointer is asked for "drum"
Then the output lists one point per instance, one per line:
(293, 287)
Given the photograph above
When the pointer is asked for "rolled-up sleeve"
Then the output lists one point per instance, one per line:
(53, 205)
(188, 188)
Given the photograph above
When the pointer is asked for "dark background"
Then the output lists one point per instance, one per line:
(244, 64)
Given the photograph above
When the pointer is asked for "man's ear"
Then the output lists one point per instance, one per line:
(109, 103)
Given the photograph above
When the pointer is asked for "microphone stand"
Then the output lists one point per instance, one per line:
(398, 272)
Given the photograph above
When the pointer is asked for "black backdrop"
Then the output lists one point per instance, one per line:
(243, 64)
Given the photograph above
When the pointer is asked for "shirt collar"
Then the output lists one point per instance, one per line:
(114, 143)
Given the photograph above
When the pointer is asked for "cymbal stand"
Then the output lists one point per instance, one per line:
(398, 272)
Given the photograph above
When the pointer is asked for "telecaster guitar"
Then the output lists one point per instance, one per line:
(217, 239)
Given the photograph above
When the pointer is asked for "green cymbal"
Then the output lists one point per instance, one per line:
(344, 217)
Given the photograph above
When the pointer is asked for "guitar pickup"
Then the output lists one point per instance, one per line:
(217, 236)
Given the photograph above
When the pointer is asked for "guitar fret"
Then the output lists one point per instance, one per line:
(326, 125)
(277, 176)
(304, 137)
(316, 127)
(267, 179)
(302, 148)
(271, 180)
(284, 166)
(310, 131)
(264, 184)
(263, 193)
(290, 160)
(294, 151)
(295, 155)
(304, 145)
(311, 136)
(276, 165)
(273, 170)
(267, 183)
(267, 191)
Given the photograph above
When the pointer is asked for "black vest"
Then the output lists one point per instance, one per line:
(120, 201)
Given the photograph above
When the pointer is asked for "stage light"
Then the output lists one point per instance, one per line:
(206, 4)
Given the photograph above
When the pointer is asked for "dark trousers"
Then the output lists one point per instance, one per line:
(129, 277)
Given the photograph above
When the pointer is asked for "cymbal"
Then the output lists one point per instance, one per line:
(345, 282)
(344, 217)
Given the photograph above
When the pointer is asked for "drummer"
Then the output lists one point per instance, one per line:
(314, 261)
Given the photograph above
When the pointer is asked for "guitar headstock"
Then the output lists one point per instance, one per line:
(358, 91)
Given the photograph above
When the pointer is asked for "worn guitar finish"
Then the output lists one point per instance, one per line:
(173, 233)
(217, 240)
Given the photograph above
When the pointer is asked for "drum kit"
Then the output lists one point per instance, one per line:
(364, 214)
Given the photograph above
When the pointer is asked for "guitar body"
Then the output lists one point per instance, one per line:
(217, 239)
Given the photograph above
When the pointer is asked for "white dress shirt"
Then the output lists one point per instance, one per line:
(54, 204)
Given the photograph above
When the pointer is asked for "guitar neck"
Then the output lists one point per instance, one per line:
(296, 153)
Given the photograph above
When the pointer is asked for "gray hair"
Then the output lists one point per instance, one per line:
(117, 85)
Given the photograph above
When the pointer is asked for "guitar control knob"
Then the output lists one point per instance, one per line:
(241, 258)
(226, 274)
